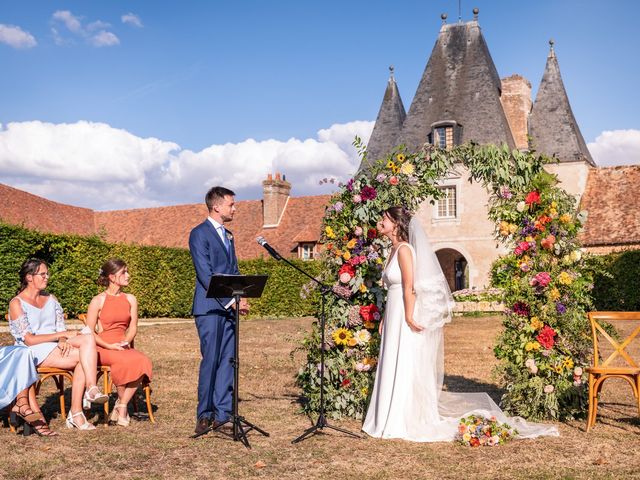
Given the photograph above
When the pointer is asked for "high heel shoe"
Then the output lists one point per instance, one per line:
(23, 414)
(40, 427)
(99, 397)
(116, 418)
(72, 424)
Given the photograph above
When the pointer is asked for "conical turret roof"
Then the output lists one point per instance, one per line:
(552, 126)
(460, 84)
(388, 124)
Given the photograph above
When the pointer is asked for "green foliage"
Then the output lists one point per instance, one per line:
(161, 278)
(546, 285)
(616, 281)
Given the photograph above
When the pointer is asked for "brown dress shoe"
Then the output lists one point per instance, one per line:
(202, 424)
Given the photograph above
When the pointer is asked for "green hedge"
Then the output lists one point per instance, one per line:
(617, 281)
(162, 278)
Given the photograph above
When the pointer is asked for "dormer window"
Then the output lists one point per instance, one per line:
(445, 134)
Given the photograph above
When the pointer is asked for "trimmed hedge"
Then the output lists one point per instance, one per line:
(161, 278)
(617, 281)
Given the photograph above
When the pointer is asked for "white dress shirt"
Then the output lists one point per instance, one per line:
(222, 232)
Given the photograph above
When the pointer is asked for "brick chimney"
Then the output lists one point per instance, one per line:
(516, 102)
(275, 197)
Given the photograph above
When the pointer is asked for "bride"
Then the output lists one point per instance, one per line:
(407, 401)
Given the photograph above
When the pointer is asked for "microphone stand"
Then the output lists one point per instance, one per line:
(322, 422)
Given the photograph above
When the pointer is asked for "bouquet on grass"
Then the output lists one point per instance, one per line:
(478, 430)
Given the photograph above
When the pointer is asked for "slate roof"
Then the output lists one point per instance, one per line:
(460, 83)
(552, 126)
(388, 124)
(611, 199)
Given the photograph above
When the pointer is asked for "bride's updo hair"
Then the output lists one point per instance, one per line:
(401, 217)
(110, 267)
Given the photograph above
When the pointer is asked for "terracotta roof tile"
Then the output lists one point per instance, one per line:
(612, 200)
(170, 226)
(18, 207)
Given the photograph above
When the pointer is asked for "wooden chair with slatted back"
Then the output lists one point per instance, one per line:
(104, 372)
(619, 363)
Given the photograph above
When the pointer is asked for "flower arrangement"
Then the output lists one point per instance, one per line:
(544, 346)
(480, 431)
(526, 211)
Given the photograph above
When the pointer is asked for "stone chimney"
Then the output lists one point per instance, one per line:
(275, 197)
(516, 102)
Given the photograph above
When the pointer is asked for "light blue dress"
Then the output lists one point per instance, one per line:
(38, 321)
(17, 372)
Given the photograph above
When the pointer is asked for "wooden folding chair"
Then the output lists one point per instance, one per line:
(618, 364)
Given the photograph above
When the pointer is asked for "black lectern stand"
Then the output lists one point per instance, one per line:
(236, 286)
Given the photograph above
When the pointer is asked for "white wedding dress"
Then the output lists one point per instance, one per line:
(407, 400)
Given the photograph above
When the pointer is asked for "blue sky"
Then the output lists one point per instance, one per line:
(192, 82)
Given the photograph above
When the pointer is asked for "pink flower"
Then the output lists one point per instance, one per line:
(357, 198)
(548, 388)
(541, 279)
(393, 180)
(358, 231)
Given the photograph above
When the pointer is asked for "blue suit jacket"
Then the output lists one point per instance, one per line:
(210, 257)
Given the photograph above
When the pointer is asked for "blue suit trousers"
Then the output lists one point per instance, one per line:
(217, 346)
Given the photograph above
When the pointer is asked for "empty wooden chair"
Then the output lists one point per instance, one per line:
(618, 363)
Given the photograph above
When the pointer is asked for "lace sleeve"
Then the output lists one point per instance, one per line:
(60, 325)
(19, 328)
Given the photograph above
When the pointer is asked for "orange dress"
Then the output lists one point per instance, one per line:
(126, 365)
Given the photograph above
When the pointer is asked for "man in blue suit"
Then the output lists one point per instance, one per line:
(213, 252)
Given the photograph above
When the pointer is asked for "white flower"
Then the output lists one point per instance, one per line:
(576, 255)
(548, 388)
(577, 371)
(521, 206)
(362, 336)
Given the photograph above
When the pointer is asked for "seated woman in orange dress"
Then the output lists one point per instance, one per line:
(116, 315)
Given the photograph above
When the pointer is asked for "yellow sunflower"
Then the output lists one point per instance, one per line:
(342, 336)
(401, 157)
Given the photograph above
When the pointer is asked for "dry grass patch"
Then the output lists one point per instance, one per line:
(270, 400)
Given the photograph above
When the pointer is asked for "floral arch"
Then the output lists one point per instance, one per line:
(544, 345)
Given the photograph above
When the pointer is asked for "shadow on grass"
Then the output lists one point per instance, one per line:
(460, 384)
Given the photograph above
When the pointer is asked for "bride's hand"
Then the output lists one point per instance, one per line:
(413, 325)
(380, 328)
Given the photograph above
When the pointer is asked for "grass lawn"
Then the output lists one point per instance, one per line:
(269, 399)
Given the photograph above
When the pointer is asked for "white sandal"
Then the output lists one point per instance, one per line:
(116, 418)
(85, 426)
(99, 398)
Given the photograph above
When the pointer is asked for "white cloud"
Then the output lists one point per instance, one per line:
(72, 22)
(616, 147)
(95, 33)
(97, 166)
(16, 37)
(104, 39)
(132, 19)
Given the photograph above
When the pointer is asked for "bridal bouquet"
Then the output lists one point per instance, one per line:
(477, 431)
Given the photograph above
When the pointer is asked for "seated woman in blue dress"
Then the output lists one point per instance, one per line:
(17, 376)
(37, 321)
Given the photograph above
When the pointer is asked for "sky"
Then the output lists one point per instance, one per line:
(123, 104)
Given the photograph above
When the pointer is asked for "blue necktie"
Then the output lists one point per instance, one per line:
(225, 239)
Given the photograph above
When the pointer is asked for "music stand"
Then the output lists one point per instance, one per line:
(236, 286)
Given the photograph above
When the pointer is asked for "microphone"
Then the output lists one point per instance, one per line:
(268, 248)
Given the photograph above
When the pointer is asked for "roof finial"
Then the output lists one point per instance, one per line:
(391, 72)
(444, 18)
(552, 53)
(476, 11)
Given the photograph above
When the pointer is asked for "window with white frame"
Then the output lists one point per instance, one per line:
(306, 251)
(446, 206)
